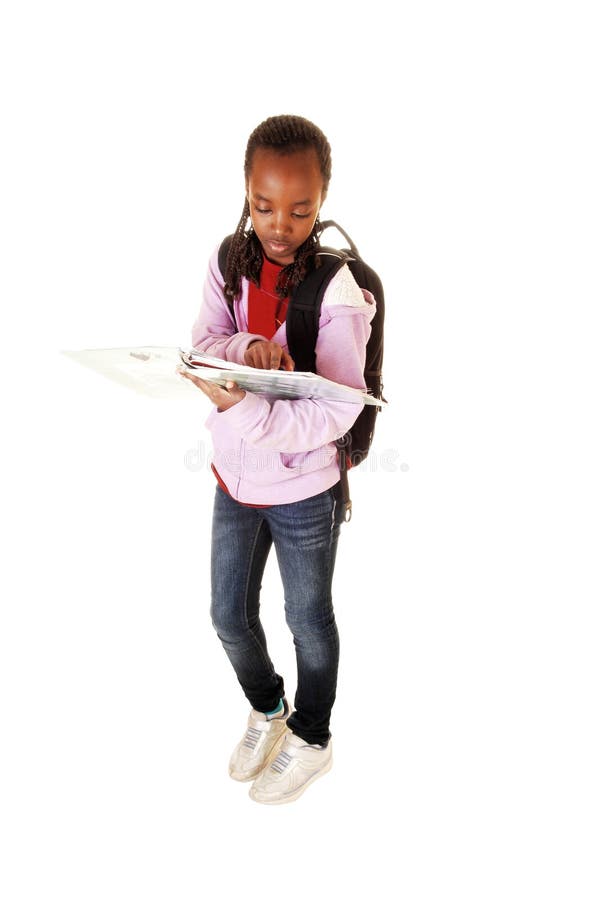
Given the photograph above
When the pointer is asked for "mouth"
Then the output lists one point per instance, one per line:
(278, 246)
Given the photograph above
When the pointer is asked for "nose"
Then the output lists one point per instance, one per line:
(281, 224)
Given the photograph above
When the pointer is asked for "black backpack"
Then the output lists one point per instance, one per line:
(302, 328)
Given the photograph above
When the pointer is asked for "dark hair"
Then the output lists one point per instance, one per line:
(285, 135)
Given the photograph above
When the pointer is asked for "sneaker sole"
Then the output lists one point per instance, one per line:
(239, 776)
(296, 794)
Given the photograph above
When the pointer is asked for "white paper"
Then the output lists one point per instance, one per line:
(152, 371)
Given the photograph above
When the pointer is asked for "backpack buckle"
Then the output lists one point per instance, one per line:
(347, 510)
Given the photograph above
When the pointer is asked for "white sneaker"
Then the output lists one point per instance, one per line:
(259, 743)
(296, 765)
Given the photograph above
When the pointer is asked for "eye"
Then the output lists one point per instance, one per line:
(263, 211)
(301, 215)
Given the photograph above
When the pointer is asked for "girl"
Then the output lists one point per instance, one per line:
(276, 461)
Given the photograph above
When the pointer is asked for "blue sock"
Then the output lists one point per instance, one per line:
(279, 708)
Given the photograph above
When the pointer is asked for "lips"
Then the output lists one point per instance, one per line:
(278, 246)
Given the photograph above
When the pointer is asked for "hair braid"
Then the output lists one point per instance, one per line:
(285, 135)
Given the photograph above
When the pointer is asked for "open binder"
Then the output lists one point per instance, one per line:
(152, 371)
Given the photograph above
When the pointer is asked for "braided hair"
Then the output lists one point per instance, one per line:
(284, 135)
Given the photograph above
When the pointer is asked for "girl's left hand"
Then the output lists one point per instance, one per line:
(223, 397)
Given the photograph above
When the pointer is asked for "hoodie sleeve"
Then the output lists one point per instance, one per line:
(293, 426)
(214, 330)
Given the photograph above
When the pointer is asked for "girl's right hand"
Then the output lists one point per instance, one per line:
(268, 355)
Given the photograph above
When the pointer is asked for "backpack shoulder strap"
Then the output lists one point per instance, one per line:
(223, 255)
(302, 316)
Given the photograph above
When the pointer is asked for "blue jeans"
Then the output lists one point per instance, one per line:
(305, 536)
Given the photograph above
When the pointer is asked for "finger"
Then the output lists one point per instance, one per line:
(207, 387)
(264, 357)
(236, 393)
(258, 359)
(188, 376)
(275, 357)
(287, 361)
(252, 357)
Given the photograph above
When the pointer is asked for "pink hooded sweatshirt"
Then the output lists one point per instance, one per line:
(279, 451)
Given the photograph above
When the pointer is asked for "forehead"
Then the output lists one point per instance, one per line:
(290, 174)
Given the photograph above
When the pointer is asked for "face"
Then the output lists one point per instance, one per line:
(285, 193)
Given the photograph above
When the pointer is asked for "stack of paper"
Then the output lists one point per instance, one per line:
(272, 382)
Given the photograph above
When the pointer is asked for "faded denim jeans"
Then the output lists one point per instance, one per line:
(305, 536)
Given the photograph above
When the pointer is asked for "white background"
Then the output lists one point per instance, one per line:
(461, 137)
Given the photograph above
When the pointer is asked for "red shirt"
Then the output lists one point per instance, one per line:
(266, 311)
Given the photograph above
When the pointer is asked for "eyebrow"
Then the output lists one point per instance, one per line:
(267, 200)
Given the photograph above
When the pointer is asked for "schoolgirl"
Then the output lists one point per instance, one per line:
(275, 461)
